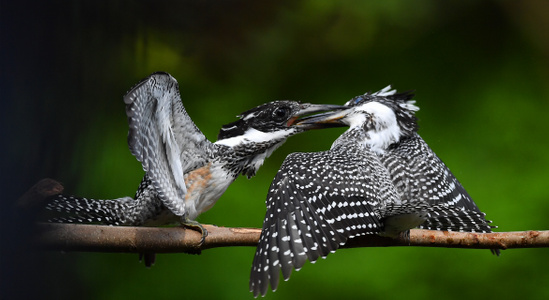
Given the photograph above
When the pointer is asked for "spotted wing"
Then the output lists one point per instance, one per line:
(163, 137)
(419, 174)
(315, 203)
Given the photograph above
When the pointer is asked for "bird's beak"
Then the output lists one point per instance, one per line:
(307, 112)
(324, 120)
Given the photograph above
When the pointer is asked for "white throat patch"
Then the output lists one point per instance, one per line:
(386, 131)
(254, 136)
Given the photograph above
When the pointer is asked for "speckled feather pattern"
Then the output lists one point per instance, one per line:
(185, 173)
(376, 179)
(317, 201)
(164, 138)
(418, 173)
(145, 209)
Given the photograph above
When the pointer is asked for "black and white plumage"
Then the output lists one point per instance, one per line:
(185, 173)
(416, 171)
(379, 177)
(315, 203)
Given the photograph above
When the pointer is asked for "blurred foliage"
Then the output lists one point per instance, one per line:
(479, 68)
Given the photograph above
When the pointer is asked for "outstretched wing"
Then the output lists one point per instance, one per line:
(163, 137)
(315, 203)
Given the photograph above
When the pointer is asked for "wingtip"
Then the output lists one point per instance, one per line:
(129, 97)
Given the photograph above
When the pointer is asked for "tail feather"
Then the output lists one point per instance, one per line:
(456, 219)
(70, 209)
(401, 217)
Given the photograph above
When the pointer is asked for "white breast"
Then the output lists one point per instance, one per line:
(204, 187)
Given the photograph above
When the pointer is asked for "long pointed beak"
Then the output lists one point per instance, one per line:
(325, 120)
(308, 111)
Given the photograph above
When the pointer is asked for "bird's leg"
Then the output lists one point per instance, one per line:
(196, 226)
(405, 235)
(148, 258)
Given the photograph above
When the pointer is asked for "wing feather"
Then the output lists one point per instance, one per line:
(163, 137)
(313, 210)
(425, 176)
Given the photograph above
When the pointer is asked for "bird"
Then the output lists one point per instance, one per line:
(319, 200)
(415, 170)
(185, 173)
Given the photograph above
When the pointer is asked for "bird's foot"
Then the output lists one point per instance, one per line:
(148, 258)
(197, 227)
(405, 235)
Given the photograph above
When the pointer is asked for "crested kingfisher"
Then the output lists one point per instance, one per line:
(186, 173)
(379, 177)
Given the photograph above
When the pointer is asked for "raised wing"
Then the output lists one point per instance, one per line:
(163, 137)
(315, 203)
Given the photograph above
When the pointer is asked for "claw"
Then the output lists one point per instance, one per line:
(198, 227)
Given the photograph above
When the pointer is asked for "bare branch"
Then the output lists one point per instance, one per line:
(98, 238)
(448, 239)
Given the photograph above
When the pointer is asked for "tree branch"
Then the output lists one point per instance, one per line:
(99, 238)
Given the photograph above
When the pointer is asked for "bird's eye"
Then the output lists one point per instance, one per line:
(281, 113)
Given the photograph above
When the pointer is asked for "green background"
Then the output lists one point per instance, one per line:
(480, 70)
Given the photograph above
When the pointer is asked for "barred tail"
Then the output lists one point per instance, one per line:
(458, 219)
(401, 217)
(70, 209)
